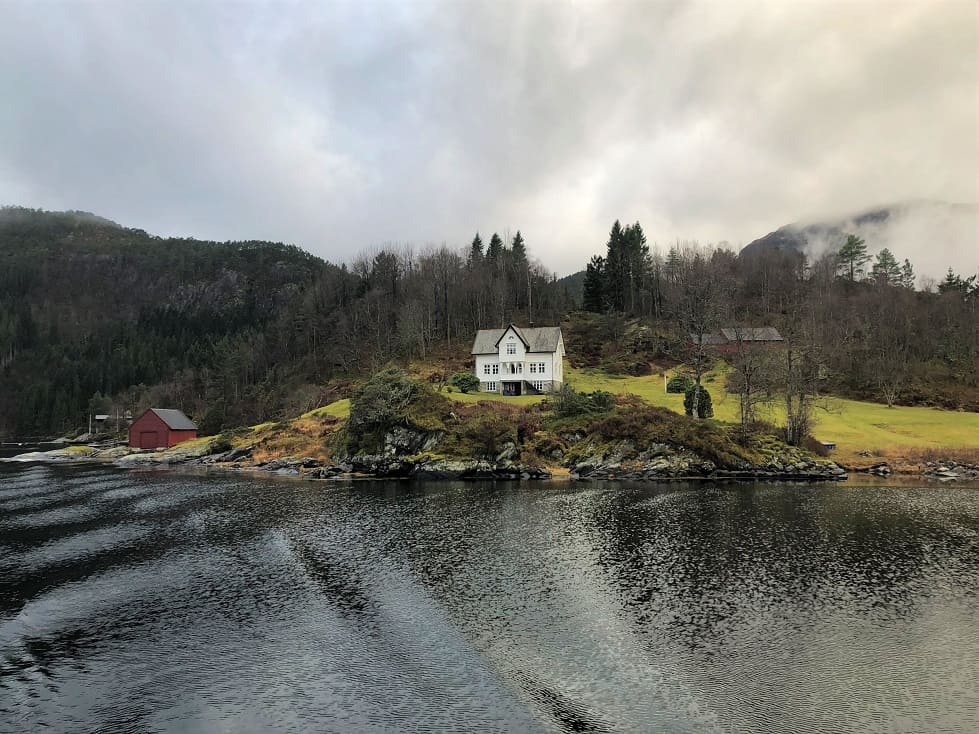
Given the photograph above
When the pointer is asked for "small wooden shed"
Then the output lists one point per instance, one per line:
(160, 428)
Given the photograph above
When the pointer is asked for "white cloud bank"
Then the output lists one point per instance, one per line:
(344, 125)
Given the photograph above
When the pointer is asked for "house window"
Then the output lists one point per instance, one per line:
(511, 348)
(540, 368)
(486, 369)
(490, 387)
(538, 385)
(533, 368)
(496, 369)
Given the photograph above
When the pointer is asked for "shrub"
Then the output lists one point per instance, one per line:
(220, 444)
(382, 402)
(487, 433)
(388, 399)
(568, 402)
(817, 447)
(705, 406)
(601, 401)
(679, 384)
(465, 382)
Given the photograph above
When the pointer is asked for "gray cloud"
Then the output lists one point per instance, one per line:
(342, 126)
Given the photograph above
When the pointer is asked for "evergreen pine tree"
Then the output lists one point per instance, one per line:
(494, 251)
(476, 251)
(907, 275)
(518, 250)
(639, 264)
(615, 268)
(594, 289)
(852, 257)
(886, 270)
(952, 283)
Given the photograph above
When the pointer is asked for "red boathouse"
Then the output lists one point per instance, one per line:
(161, 428)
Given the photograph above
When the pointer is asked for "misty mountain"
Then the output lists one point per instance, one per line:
(933, 235)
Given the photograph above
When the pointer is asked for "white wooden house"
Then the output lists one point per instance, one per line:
(519, 361)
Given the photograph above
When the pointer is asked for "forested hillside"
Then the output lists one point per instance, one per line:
(96, 317)
(853, 321)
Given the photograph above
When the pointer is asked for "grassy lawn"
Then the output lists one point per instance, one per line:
(338, 409)
(852, 425)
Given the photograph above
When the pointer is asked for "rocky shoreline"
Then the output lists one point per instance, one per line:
(671, 465)
(410, 454)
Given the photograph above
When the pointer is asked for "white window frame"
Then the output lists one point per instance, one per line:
(533, 368)
(496, 369)
(511, 348)
(486, 369)
(490, 387)
(538, 385)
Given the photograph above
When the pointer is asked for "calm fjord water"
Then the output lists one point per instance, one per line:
(164, 602)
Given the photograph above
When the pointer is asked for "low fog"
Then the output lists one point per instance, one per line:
(934, 236)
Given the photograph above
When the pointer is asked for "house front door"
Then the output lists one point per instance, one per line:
(511, 388)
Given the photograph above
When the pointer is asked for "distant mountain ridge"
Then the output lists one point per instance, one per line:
(933, 235)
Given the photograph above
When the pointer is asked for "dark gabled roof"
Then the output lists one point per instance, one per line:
(536, 339)
(749, 334)
(175, 419)
(710, 340)
(515, 330)
(739, 333)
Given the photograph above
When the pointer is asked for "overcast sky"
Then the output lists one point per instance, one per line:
(342, 126)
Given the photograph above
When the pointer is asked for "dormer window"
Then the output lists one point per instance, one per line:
(511, 348)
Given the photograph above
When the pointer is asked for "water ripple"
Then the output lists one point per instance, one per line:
(162, 602)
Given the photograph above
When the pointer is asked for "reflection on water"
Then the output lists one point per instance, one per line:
(167, 602)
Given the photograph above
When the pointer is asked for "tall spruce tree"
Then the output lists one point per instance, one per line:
(476, 251)
(638, 264)
(520, 274)
(518, 250)
(494, 251)
(593, 298)
(615, 268)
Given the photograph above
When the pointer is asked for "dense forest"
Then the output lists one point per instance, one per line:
(95, 317)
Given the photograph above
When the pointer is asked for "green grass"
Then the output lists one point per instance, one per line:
(852, 425)
(475, 397)
(338, 409)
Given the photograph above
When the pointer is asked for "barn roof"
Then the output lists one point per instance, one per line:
(175, 419)
(748, 334)
(537, 339)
